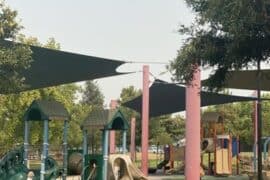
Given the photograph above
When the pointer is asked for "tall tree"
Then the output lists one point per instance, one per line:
(92, 94)
(15, 58)
(226, 35)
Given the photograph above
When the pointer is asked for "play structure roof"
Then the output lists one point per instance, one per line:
(53, 67)
(246, 80)
(106, 119)
(166, 98)
(46, 110)
(212, 117)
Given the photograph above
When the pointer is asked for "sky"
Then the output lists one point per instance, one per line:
(129, 30)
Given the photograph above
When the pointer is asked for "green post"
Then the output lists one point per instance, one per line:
(65, 149)
(45, 149)
(105, 144)
(85, 151)
(124, 141)
(26, 142)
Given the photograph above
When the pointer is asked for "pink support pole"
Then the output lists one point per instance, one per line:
(145, 120)
(113, 105)
(132, 138)
(193, 104)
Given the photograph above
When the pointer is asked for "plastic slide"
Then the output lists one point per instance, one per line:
(122, 168)
(222, 162)
(12, 167)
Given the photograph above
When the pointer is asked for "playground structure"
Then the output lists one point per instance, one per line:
(171, 154)
(193, 109)
(15, 164)
(105, 166)
(12, 167)
(45, 111)
(215, 141)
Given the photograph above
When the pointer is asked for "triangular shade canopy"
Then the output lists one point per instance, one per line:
(41, 110)
(105, 119)
(168, 98)
(246, 80)
(54, 67)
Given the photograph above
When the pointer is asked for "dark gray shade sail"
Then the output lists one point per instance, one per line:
(246, 80)
(53, 67)
(165, 98)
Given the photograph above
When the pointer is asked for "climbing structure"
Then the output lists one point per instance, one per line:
(216, 141)
(105, 166)
(45, 111)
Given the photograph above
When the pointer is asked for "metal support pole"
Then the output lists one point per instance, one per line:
(145, 120)
(265, 148)
(85, 148)
(255, 134)
(237, 156)
(193, 104)
(259, 115)
(132, 139)
(45, 149)
(26, 142)
(65, 149)
(124, 141)
(105, 153)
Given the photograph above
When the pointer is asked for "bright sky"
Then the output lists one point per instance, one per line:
(130, 30)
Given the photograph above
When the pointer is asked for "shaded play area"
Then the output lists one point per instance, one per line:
(160, 98)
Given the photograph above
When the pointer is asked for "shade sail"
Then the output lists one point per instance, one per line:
(54, 67)
(165, 98)
(246, 80)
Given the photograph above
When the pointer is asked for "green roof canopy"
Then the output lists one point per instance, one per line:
(53, 67)
(106, 119)
(46, 110)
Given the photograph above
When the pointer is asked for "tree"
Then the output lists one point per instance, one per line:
(14, 58)
(92, 98)
(175, 127)
(237, 117)
(92, 94)
(228, 35)
(127, 94)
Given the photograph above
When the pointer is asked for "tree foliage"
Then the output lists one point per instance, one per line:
(92, 94)
(127, 94)
(15, 58)
(226, 35)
